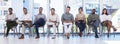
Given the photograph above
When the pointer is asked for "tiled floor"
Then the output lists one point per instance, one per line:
(61, 40)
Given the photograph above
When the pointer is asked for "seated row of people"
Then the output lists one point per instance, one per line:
(53, 20)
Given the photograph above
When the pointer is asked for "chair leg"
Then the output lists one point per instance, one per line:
(114, 34)
(48, 32)
(33, 33)
(76, 31)
(4, 30)
(30, 32)
(43, 32)
(63, 30)
(58, 31)
(19, 30)
(14, 32)
(85, 31)
(72, 31)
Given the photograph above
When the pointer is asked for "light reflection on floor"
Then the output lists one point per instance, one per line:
(61, 40)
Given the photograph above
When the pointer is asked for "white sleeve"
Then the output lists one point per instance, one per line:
(110, 17)
(57, 18)
(101, 18)
(14, 16)
(29, 17)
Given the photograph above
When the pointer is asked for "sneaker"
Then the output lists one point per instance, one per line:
(96, 37)
(37, 37)
(53, 37)
(68, 37)
(12, 30)
(21, 37)
(108, 35)
(6, 35)
(115, 29)
(88, 33)
(80, 34)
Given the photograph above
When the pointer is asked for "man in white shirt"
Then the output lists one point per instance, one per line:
(26, 21)
(11, 21)
(53, 21)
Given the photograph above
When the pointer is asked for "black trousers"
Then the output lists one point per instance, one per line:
(10, 25)
(82, 25)
(39, 23)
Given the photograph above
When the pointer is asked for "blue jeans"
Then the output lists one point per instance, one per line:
(81, 25)
(39, 23)
(94, 27)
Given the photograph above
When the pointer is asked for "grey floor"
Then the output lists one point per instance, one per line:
(113, 39)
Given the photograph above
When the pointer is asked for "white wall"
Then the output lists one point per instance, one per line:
(17, 6)
(59, 8)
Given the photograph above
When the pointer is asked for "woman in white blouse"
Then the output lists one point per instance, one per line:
(11, 20)
(106, 20)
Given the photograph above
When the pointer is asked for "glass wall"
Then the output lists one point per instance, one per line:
(4, 4)
(17, 6)
(92, 4)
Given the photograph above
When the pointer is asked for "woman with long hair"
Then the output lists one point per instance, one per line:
(105, 19)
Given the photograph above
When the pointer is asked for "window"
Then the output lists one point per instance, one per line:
(23, 1)
(5, 12)
(5, 0)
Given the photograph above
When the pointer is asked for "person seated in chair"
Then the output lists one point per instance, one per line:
(40, 21)
(11, 21)
(26, 22)
(67, 20)
(80, 21)
(93, 20)
(106, 21)
(53, 21)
